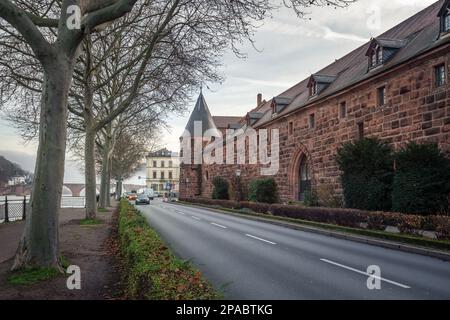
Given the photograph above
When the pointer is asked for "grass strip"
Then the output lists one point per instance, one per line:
(152, 271)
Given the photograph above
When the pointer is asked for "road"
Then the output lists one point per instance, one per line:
(255, 260)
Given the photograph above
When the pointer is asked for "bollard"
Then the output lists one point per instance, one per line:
(6, 210)
(24, 215)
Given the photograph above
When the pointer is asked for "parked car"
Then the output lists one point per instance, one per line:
(156, 194)
(150, 194)
(132, 196)
(142, 199)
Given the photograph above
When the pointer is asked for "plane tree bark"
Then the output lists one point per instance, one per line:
(39, 245)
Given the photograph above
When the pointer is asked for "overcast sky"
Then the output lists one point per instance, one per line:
(289, 50)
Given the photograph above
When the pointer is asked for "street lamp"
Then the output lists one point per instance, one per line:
(238, 187)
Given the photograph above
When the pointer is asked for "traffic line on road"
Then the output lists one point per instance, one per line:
(180, 212)
(365, 273)
(196, 218)
(260, 239)
(218, 225)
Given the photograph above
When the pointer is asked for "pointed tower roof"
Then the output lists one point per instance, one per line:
(201, 114)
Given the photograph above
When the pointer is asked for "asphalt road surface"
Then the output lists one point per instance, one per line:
(255, 260)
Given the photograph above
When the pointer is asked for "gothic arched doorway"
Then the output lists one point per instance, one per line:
(304, 176)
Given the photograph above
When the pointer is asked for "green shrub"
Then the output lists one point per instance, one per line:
(311, 199)
(422, 180)
(442, 226)
(263, 190)
(221, 187)
(259, 207)
(152, 271)
(328, 197)
(367, 174)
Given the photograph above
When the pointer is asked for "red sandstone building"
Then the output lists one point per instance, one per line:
(395, 87)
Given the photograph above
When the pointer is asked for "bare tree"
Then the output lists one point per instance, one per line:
(40, 26)
(126, 158)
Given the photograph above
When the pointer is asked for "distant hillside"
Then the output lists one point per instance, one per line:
(9, 169)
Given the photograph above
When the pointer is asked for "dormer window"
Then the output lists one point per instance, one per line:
(253, 117)
(380, 55)
(447, 22)
(381, 50)
(444, 14)
(376, 57)
(313, 89)
(318, 83)
(279, 103)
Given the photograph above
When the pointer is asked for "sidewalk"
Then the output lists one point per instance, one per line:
(88, 247)
(10, 233)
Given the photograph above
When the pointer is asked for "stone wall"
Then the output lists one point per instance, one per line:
(415, 110)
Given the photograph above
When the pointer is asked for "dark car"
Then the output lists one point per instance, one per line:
(142, 199)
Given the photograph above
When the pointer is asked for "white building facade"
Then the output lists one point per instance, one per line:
(163, 171)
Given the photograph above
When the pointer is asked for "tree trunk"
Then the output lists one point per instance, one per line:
(119, 189)
(39, 246)
(104, 192)
(108, 184)
(89, 143)
(90, 176)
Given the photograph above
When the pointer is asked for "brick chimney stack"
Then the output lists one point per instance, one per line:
(259, 99)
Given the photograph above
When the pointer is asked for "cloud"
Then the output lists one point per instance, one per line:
(332, 35)
(259, 82)
(291, 49)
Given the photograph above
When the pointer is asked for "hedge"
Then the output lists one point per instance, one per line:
(263, 190)
(152, 271)
(422, 180)
(221, 189)
(367, 173)
(354, 218)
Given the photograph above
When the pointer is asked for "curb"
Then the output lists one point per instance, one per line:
(340, 235)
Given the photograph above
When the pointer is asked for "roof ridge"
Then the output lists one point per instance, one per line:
(362, 47)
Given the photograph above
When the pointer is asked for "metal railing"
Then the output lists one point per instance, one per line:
(15, 208)
(73, 202)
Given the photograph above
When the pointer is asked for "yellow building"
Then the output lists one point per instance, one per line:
(163, 171)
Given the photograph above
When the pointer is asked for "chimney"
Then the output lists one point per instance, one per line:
(259, 100)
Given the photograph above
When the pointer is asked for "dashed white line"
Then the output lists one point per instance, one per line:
(366, 274)
(196, 218)
(260, 239)
(218, 225)
(180, 212)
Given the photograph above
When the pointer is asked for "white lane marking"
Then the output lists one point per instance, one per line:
(196, 218)
(366, 274)
(218, 225)
(180, 212)
(260, 239)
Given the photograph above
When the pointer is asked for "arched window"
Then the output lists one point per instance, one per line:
(305, 178)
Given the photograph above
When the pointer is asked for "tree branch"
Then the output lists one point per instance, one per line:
(20, 20)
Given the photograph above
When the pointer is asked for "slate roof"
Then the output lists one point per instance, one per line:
(201, 114)
(163, 153)
(418, 34)
(323, 78)
(222, 122)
